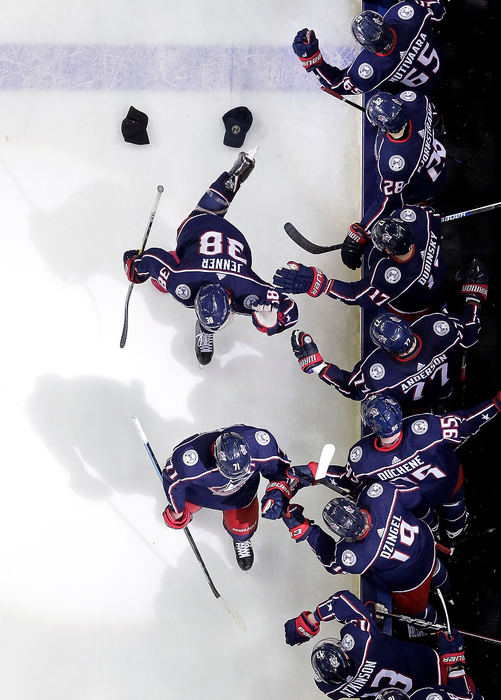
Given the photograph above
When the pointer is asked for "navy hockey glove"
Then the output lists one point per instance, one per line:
(353, 246)
(299, 629)
(304, 473)
(296, 522)
(298, 279)
(474, 279)
(130, 257)
(176, 523)
(276, 498)
(306, 352)
(305, 46)
(451, 650)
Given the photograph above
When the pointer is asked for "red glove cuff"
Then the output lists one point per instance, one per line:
(318, 284)
(176, 524)
(304, 626)
(299, 531)
(312, 61)
(281, 486)
(131, 273)
(474, 288)
(310, 361)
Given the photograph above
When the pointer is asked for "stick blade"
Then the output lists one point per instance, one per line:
(328, 451)
(305, 244)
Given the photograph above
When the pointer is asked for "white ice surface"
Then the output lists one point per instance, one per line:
(98, 600)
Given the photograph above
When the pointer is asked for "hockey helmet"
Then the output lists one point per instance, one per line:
(392, 236)
(391, 333)
(372, 32)
(396, 694)
(232, 455)
(382, 414)
(345, 519)
(386, 112)
(330, 662)
(212, 306)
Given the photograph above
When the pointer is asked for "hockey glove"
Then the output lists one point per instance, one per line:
(130, 257)
(298, 279)
(306, 352)
(300, 630)
(497, 401)
(474, 281)
(276, 498)
(353, 246)
(296, 522)
(451, 650)
(305, 46)
(304, 473)
(176, 523)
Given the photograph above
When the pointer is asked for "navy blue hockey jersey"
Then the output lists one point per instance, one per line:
(191, 473)
(411, 287)
(427, 374)
(379, 660)
(413, 62)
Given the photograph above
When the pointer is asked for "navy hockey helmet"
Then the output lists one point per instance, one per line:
(372, 32)
(386, 112)
(232, 455)
(395, 694)
(391, 333)
(330, 662)
(392, 236)
(212, 306)
(382, 414)
(345, 518)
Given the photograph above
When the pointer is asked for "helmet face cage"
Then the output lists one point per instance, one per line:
(344, 518)
(330, 662)
(391, 333)
(392, 694)
(387, 113)
(372, 32)
(382, 414)
(212, 307)
(392, 236)
(232, 456)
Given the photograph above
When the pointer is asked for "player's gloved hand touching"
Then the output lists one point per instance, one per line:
(306, 352)
(451, 649)
(474, 281)
(177, 521)
(296, 522)
(305, 46)
(298, 279)
(304, 473)
(130, 257)
(301, 628)
(353, 246)
(276, 498)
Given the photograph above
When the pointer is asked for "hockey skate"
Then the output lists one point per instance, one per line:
(244, 554)
(204, 345)
(240, 170)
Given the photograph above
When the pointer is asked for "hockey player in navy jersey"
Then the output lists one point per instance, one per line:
(399, 51)
(221, 470)
(364, 660)
(410, 162)
(380, 538)
(405, 271)
(211, 268)
(417, 362)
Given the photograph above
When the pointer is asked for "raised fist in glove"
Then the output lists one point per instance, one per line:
(304, 473)
(474, 281)
(305, 46)
(130, 257)
(353, 246)
(298, 279)
(296, 522)
(177, 521)
(451, 649)
(275, 499)
(300, 629)
(306, 352)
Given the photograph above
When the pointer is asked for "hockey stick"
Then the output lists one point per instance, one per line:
(324, 462)
(311, 247)
(125, 328)
(217, 595)
(433, 626)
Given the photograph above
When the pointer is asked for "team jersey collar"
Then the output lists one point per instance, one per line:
(387, 53)
(388, 448)
(416, 352)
